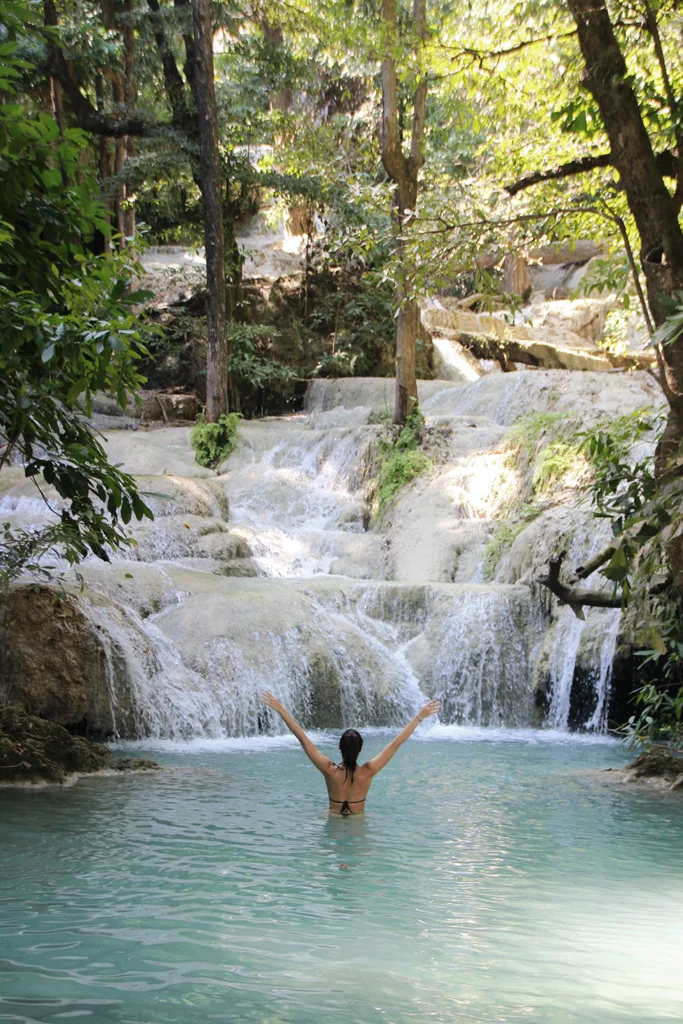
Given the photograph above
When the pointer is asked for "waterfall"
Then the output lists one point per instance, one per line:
(270, 575)
(562, 665)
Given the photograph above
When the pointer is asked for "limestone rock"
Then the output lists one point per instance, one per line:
(452, 361)
(134, 764)
(52, 661)
(164, 405)
(34, 750)
(583, 317)
(576, 252)
(658, 764)
(552, 343)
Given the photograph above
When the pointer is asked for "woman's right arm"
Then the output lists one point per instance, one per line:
(378, 762)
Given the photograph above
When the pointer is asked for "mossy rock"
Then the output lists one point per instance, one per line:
(33, 750)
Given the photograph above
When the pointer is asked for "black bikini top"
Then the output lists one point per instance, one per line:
(345, 809)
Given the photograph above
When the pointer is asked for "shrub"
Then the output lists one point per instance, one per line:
(403, 459)
(213, 442)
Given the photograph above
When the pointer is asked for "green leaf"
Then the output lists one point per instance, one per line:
(117, 344)
(52, 178)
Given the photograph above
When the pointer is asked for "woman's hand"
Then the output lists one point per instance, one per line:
(428, 710)
(272, 702)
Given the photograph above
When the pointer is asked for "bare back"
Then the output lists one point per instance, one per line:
(347, 796)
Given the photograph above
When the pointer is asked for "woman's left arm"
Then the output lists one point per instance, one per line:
(321, 762)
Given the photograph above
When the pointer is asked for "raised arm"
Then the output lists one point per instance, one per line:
(378, 762)
(321, 762)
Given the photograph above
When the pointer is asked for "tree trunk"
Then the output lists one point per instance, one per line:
(104, 161)
(130, 96)
(404, 170)
(217, 355)
(654, 210)
(407, 330)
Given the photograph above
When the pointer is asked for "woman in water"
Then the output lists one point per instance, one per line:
(348, 783)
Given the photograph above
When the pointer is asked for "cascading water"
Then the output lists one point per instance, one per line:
(267, 576)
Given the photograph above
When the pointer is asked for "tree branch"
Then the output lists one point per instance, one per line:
(584, 571)
(482, 55)
(88, 117)
(392, 153)
(173, 80)
(653, 29)
(420, 97)
(666, 162)
(575, 597)
(580, 166)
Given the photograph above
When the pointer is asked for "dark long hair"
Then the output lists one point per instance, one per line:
(350, 744)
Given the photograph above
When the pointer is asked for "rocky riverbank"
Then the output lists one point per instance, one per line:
(33, 750)
(659, 767)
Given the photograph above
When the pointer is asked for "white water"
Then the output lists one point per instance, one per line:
(289, 589)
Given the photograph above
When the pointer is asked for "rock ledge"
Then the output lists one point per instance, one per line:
(33, 750)
(658, 766)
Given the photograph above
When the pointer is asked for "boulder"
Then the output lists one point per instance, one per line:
(583, 317)
(570, 252)
(53, 662)
(553, 342)
(659, 765)
(164, 405)
(33, 750)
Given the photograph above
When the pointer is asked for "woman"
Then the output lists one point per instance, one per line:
(348, 783)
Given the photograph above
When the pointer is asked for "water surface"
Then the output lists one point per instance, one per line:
(489, 881)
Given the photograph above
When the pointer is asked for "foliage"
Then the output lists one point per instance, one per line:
(659, 716)
(213, 442)
(402, 460)
(548, 441)
(248, 343)
(624, 490)
(68, 330)
(645, 517)
(556, 461)
(528, 430)
(672, 328)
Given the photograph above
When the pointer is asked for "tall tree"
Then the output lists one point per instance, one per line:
(217, 370)
(404, 171)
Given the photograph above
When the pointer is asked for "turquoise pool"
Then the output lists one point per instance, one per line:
(490, 881)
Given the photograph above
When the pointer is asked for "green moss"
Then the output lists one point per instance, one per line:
(505, 534)
(500, 542)
(381, 417)
(555, 461)
(550, 442)
(527, 431)
(213, 442)
(398, 469)
(403, 459)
